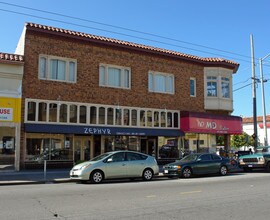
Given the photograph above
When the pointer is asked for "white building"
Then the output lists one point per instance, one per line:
(249, 128)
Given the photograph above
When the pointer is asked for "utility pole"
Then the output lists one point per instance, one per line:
(263, 100)
(254, 94)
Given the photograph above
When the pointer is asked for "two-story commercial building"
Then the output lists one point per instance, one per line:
(84, 95)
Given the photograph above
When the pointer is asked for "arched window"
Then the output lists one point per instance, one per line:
(53, 112)
(110, 116)
(73, 109)
(101, 115)
(63, 113)
(83, 114)
(31, 111)
(93, 115)
(42, 111)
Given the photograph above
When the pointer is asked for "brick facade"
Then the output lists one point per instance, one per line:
(91, 53)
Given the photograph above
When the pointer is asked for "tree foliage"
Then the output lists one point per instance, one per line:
(244, 139)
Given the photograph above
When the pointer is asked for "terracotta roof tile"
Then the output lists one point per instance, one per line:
(11, 57)
(259, 119)
(206, 61)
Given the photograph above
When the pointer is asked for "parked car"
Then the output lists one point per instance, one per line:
(116, 164)
(199, 163)
(167, 151)
(260, 159)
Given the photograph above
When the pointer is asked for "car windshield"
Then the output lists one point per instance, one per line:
(263, 150)
(191, 157)
(100, 157)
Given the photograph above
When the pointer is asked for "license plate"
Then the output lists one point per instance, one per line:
(166, 171)
(250, 165)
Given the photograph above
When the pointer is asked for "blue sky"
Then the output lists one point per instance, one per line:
(208, 28)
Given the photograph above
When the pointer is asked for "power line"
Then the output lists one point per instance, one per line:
(123, 28)
(242, 87)
(99, 29)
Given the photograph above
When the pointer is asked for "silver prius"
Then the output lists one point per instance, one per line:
(116, 164)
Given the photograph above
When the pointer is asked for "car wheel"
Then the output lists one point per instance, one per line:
(187, 172)
(147, 174)
(268, 167)
(96, 176)
(223, 170)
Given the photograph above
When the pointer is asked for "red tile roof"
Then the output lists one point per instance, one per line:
(105, 40)
(11, 57)
(259, 119)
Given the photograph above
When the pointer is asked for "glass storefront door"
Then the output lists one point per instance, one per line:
(7, 148)
(82, 148)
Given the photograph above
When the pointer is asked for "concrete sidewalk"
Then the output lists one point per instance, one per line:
(51, 176)
(34, 177)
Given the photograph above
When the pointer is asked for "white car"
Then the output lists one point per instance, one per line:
(116, 164)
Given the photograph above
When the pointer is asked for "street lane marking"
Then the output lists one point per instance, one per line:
(151, 196)
(190, 192)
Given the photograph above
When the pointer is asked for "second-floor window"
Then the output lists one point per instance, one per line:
(160, 82)
(225, 87)
(192, 86)
(211, 86)
(57, 68)
(114, 76)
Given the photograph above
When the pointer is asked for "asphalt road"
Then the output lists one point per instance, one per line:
(237, 196)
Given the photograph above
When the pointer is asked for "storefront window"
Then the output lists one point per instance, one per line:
(40, 147)
(83, 114)
(73, 114)
(126, 117)
(31, 114)
(101, 115)
(63, 113)
(53, 112)
(93, 115)
(42, 111)
(134, 117)
(110, 116)
(156, 119)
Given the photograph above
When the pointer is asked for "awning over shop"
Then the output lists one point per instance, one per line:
(97, 130)
(205, 123)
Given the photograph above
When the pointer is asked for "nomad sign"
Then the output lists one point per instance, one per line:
(6, 114)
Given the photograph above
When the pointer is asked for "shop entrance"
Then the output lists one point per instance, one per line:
(152, 147)
(7, 148)
(82, 148)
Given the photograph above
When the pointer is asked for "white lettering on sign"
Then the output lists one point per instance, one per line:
(6, 114)
(207, 125)
(97, 131)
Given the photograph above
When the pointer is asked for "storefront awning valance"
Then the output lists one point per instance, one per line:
(98, 130)
(205, 123)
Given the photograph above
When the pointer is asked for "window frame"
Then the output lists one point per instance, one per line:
(152, 87)
(212, 80)
(194, 87)
(125, 76)
(47, 74)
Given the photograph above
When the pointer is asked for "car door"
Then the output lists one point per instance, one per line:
(135, 164)
(216, 162)
(204, 164)
(116, 166)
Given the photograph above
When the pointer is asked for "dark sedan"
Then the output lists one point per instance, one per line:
(197, 164)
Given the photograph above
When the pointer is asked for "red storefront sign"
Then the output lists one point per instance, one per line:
(195, 122)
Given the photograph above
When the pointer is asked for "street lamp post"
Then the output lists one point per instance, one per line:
(263, 100)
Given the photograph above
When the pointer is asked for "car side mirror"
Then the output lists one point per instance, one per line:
(109, 160)
(199, 159)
